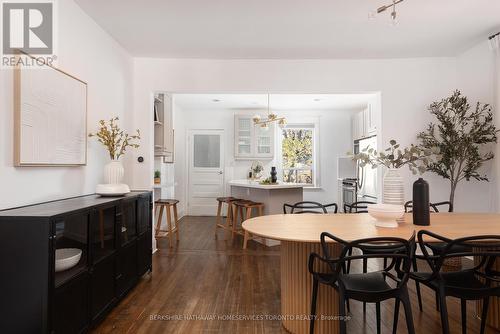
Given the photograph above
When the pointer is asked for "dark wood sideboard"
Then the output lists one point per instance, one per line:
(115, 236)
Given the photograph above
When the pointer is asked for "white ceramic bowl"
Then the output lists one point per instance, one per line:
(111, 190)
(67, 258)
(386, 214)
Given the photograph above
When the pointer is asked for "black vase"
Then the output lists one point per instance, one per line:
(421, 211)
(274, 175)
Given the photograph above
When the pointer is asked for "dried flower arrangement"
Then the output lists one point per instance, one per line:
(114, 139)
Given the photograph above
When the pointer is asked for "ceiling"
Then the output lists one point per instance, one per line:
(289, 102)
(294, 29)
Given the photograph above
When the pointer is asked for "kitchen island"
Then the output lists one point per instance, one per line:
(272, 195)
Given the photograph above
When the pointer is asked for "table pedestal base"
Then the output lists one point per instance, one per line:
(296, 288)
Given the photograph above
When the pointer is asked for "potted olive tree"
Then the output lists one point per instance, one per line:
(462, 135)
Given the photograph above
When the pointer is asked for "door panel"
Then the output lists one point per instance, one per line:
(206, 171)
(102, 286)
(126, 268)
(71, 302)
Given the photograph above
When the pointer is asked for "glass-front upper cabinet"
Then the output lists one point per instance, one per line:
(243, 136)
(252, 141)
(71, 246)
(264, 141)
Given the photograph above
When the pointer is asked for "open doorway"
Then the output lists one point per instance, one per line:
(330, 122)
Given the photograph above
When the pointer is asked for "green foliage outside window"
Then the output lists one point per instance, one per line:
(297, 152)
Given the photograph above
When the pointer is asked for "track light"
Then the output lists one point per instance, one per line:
(394, 14)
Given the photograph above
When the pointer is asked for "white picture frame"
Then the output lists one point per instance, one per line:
(50, 117)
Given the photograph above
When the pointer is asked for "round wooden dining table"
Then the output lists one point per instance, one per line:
(300, 235)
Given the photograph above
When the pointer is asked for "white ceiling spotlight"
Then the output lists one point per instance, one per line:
(392, 6)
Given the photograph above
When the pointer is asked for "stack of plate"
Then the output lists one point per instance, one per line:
(386, 215)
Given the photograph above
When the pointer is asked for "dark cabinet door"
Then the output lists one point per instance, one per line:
(102, 285)
(71, 231)
(102, 232)
(71, 306)
(144, 253)
(126, 268)
(127, 229)
(144, 208)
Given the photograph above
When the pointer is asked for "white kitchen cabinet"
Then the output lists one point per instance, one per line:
(163, 127)
(358, 126)
(369, 119)
(251, 141)
(364, 124)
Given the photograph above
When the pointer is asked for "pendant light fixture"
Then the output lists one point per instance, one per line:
(271, 117)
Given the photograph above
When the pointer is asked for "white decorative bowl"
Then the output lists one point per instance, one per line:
(386, 214)
(118, 189)
(67, 258)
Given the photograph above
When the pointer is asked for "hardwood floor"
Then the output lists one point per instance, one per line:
(202, 280)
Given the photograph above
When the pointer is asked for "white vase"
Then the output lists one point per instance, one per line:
(113, 172)
(393, 189)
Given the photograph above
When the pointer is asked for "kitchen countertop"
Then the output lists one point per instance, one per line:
(255, 184)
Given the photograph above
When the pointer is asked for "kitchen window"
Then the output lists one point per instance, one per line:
(298, 154)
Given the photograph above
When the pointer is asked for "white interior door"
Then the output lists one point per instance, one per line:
(206, 171)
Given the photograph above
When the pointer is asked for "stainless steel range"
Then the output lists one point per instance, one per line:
(349, 191)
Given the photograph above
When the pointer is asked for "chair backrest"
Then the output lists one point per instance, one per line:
(333, 207)
(305, 207)
(357, 207)
(486, 248)
(400, 261)
(433, 206)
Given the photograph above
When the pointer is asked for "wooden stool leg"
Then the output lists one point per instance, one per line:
(176, 220)
(247, 235)
(229, 219)
(158, 222)
(235, 220)
(217, 218)
(261, 213)
(245, 240)
(169, 226)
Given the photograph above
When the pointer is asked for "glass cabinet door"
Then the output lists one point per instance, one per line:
(128, 222)
(264, 141)
(244, 128)
(103, 233)
(71, 246)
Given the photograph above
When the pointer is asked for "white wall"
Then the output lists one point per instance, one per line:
(88, 53)
(475, 69)
(407, 87)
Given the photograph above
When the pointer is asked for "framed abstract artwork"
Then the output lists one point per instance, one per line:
(50, 117)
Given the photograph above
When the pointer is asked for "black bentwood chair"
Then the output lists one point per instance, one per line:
(477, 283)
(372, 287)
(362, 207)
(433, 206)
(437, 248)
(308, 207)
(357, 207)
